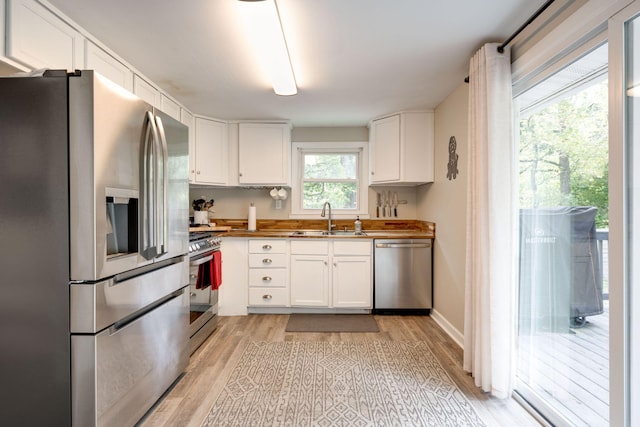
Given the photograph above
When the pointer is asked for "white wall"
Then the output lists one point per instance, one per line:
(444, 202)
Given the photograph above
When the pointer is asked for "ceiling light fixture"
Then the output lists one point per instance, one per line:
(265, 29)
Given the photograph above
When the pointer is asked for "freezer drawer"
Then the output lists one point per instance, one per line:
(403, 274)
(95, 306)
(118, 374)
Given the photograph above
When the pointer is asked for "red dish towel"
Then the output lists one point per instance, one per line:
(216, 270)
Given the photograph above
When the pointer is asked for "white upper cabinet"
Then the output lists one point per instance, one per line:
(401, 149)
(210, 152)
(39, 39)
(190, 121)
(169, 106)
(146, 91)
(264, 154)
(108, 66)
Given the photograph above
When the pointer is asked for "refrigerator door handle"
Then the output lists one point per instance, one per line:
(149, 171)
(163, 223)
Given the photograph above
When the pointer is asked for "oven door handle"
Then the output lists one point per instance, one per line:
(201, 260)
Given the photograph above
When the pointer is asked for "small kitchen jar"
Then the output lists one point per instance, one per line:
(201, 217)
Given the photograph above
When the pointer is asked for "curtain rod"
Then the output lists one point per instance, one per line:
(519, 30)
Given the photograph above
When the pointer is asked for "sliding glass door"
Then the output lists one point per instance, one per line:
(632, 148)
(563, 304)
(624, 34)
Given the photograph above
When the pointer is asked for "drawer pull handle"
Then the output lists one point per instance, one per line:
(267, 261)
(266, 247)
(193, 294)
(266, 278)
(267, 297)
(193, 276)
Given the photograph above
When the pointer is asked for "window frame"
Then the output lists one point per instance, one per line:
(360, 148)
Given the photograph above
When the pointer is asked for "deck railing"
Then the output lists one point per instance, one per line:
(602, 237)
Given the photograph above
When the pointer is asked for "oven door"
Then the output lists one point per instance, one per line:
(203, 302)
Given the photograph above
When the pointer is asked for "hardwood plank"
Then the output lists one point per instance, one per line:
(190, 400)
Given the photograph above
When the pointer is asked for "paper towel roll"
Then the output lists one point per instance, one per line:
(252, 218)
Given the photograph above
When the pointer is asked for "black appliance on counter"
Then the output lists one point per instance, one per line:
(94, 306)
(204, 265)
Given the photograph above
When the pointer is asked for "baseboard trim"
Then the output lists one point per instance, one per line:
(456, 335)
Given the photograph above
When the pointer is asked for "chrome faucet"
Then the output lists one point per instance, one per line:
(322, 214)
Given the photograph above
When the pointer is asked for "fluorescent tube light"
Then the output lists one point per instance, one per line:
(263, 23)
(634, 91)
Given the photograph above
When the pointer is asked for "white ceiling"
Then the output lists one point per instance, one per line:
(353, 59)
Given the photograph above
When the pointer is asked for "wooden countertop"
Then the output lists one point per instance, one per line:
(210, 228)
(372, 234)
(373, 229)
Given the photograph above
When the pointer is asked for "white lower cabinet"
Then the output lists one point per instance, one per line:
(268, 273)
(233, 294)
(352, 281)
(327, 273)
(309, 280)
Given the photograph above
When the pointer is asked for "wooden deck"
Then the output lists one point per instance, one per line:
(571, 370)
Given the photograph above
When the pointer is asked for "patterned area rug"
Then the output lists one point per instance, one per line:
(375, 383)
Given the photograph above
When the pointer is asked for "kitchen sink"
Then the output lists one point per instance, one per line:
(305, 233)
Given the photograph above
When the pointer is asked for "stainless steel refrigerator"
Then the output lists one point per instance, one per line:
(94, 313)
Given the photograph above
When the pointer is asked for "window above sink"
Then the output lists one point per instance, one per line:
(333, 172)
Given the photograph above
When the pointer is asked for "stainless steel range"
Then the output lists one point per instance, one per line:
(204, 248)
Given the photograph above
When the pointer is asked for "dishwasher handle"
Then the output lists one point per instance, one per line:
(403, 245)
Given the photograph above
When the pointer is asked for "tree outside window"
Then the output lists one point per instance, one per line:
(564, 153)
(332, 177)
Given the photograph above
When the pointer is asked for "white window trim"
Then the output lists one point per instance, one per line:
(298, 148)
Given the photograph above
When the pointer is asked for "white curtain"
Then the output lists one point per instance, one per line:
(490, 262)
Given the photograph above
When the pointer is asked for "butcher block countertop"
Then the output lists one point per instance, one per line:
(311, 229)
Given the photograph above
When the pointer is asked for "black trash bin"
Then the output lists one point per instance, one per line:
(560, 274)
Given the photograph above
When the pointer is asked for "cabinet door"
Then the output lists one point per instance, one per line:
(385, 150)
(189, 120)
(264, 153)
(417, 147)
(169, 106)
(39, 39)
(146, 91)
(309, 280)
(108, 66)
(352, 285)
(233, 295)
(211, 152)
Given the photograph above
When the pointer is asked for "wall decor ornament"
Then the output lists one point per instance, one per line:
(452, 166)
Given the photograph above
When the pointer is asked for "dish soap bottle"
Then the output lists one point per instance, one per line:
(357, 225)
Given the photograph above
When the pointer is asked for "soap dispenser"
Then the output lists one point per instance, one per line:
(357, 225)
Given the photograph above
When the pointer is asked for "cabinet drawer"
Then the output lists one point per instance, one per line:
(276, 297)
(267, 246)
(317, 247)
(270, 277)
(343, 247)
(267, 260)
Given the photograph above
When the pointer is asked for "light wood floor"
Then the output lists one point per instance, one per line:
(191, 398)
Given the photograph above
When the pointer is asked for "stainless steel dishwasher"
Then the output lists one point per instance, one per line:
(403, 275)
